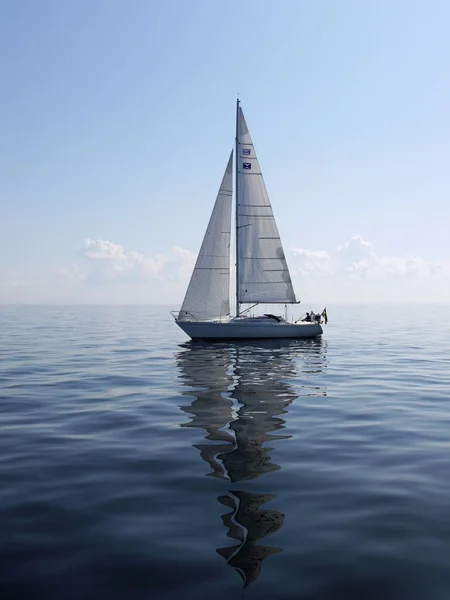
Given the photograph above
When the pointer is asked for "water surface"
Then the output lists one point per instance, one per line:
(137, 464)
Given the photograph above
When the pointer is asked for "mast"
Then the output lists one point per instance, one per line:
(237, 206)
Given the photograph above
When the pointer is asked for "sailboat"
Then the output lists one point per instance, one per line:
(262, 273)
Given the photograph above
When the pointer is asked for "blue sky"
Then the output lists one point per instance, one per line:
(117, 119)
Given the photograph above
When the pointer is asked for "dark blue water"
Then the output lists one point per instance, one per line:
(135, 464)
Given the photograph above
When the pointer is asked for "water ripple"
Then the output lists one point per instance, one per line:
(137, 464)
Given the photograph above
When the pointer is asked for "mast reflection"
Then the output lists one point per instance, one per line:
(247, 523)
(241, 392)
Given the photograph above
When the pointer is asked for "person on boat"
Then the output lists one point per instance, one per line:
(307, 318)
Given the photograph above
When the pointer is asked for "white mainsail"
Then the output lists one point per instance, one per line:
(208, 293)
(263, 274)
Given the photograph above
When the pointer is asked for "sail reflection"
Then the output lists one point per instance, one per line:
(263, 396)
(241, 392)
(207, 370)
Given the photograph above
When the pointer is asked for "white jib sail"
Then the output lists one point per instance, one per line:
(208, 293)
(263, 271)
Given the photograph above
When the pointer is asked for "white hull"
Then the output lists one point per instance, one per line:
(237, 329)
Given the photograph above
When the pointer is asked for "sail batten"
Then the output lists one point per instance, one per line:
(208, 293)
(259, 240)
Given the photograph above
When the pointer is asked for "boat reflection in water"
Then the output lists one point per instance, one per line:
(241, 393)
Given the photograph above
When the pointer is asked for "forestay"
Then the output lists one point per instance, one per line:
(263, 274)
(208, 293)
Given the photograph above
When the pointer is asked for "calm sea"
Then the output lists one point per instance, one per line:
(136, 464)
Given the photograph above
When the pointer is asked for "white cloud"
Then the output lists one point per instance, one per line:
(353, 272)
(355, 249)
(309, 262)
(10, 284)
(70, 275)
(111, 262)
(185, 259)
(358, 258)
(10, 280)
